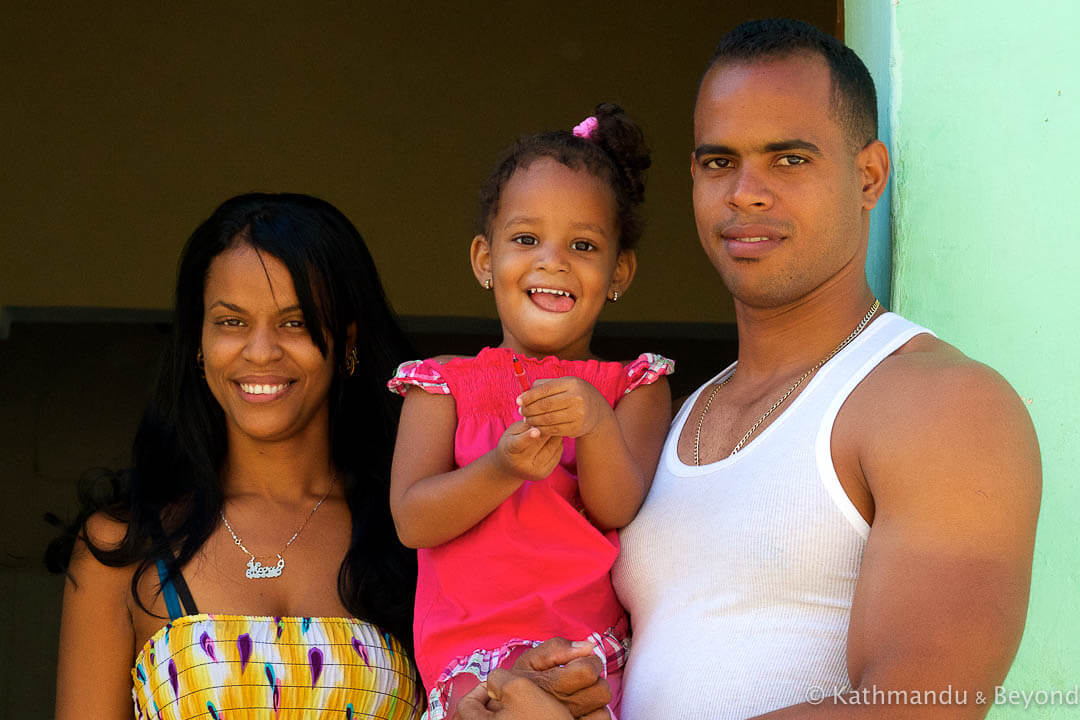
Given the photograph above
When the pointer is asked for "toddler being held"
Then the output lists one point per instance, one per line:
(514, 469)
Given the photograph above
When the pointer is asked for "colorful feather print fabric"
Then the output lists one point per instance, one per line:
(229, 667)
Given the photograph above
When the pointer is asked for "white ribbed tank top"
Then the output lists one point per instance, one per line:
(739, 575)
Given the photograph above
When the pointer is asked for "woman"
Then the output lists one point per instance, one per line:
(258, 492)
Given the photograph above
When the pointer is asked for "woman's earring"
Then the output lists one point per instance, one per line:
(351, 360)
(614, 296)
(487, 284)
(200, 363)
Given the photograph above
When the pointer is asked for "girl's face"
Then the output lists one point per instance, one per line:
(260, 362)
(553, 259)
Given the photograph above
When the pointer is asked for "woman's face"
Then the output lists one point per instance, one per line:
(260, 362)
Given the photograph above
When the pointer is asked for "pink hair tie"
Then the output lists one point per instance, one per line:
(586, 128)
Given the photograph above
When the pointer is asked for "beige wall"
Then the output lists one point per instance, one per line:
(120, 129)
(124, 124)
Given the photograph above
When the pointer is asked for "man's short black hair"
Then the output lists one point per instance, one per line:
(854, 99)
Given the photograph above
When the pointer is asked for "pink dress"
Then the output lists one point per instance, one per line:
(535, 567)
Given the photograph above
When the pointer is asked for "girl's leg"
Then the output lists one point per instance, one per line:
(457, 687)
(614, 679)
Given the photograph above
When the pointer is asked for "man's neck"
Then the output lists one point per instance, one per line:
(794, 336)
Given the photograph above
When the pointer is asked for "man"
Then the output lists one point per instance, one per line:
(873, 528)
(842, 524)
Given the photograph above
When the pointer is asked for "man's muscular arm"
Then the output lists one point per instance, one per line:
(948, 454)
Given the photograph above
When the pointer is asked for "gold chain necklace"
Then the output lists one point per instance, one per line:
(255, 569)
(738, 446)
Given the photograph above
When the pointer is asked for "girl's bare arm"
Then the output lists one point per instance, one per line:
(432, 502)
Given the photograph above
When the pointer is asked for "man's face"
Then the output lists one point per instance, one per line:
(780, 190)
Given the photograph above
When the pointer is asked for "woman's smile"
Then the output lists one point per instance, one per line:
(261, 390)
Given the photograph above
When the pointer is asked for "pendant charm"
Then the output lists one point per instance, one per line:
(256, 570)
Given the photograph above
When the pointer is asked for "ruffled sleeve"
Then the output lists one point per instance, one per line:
(423, 374)
(647, 369)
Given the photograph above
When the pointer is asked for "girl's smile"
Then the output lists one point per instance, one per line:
(551, 299)
(553, 258)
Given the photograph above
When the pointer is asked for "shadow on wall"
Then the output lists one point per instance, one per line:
(72, 396)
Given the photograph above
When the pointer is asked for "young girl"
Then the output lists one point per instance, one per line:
(514, 469)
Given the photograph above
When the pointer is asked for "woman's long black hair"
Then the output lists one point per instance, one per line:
(174, 482)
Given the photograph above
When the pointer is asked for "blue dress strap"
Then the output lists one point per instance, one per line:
(174, 588)
(168, 591)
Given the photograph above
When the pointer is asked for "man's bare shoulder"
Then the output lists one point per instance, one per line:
(929, 414)
(929, 377)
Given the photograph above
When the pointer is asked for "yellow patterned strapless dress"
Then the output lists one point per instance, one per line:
(236, 667)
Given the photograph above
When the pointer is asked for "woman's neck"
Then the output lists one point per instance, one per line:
(287, 470)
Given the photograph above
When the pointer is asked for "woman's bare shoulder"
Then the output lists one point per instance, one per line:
(104, 534)
(96, 629)
(105, 531)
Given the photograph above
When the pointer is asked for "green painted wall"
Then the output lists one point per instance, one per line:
(986, 108)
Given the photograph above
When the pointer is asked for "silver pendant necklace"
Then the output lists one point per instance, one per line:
(255, 569)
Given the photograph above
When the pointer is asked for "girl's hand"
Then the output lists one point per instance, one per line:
(524, 452)
(566, 407)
